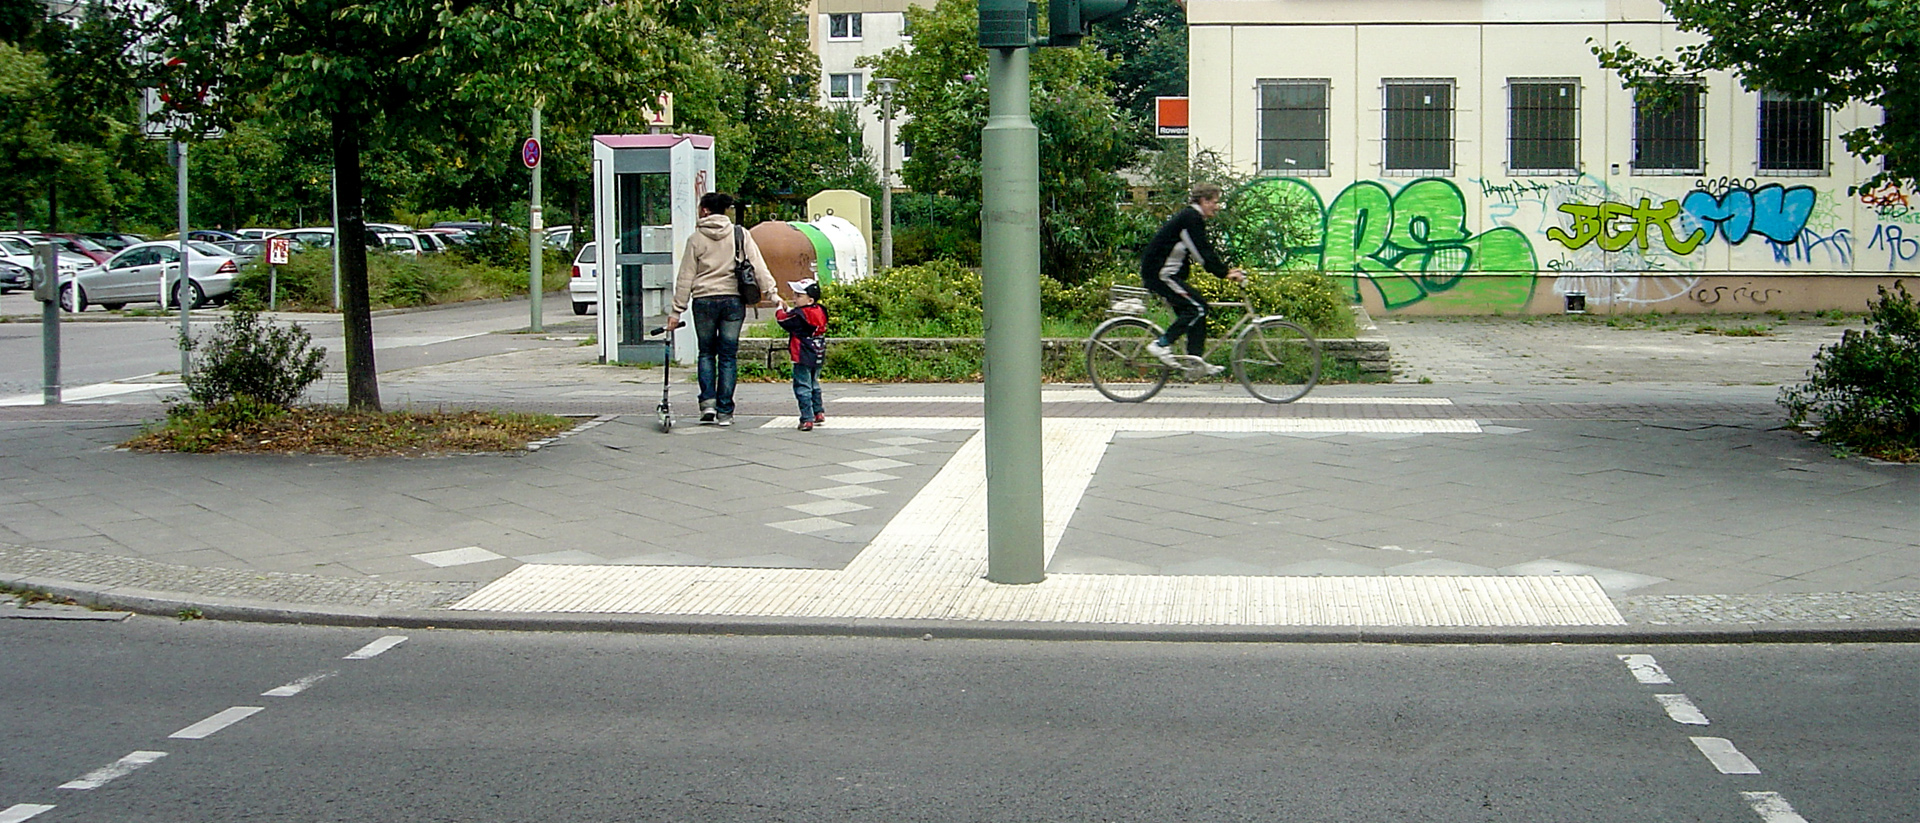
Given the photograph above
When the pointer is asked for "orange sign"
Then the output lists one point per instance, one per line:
(1170, 116)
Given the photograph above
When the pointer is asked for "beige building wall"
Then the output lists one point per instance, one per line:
(882, 27)
(1482, 237)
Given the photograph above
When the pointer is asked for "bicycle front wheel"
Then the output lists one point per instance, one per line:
(1118, 362)
(1276, 360)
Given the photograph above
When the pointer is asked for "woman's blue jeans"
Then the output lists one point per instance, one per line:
(716, 325)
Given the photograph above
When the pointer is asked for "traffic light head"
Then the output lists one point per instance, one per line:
(1070, 20)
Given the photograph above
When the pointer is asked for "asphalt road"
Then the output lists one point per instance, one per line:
(461, 726)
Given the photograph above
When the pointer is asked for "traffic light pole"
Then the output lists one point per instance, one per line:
(1010, 284)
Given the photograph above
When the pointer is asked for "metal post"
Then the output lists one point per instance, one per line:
(334, 195)
(1010, 257)
(186, 311)
(886, 170)
(536, 235)
(49, 264)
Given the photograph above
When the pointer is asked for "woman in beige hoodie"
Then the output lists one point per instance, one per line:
(706, 281)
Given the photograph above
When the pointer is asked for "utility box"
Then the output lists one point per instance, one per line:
(646, 201)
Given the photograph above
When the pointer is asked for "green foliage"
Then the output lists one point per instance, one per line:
(936, 299)
(862, 360)
(203, 428)
(1084, 137)
(249, 356)
(1831, 52)
(1149, 50)
(929, 227)
(1864, 391)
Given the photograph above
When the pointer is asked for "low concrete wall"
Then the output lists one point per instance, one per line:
(1369, 352)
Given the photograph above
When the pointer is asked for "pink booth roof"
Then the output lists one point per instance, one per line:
(652, 141)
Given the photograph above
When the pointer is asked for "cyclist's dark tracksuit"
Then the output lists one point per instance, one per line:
(1164, 268)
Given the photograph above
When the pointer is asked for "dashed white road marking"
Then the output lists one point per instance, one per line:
(1092, 396)
(376, 647)
(1682, 710)
(1724, 756)
(22, 811)
(1645, 669)
(1772, 808)
(221, 720)
(117, 769)
(297, 686)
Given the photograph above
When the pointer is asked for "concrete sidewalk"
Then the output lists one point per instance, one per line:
(1549, 483)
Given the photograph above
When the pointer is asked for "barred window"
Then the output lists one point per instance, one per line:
(1418, 121)
(843, 26)
(1293, 126)
(1793, 135)
(1667, 135)
(1543, 126)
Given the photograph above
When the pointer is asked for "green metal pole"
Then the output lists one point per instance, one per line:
(537, 233)
(1010, 257)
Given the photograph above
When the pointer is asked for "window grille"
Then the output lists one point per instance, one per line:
(1543, 127)
(1293, 126)
(1667, 134)
(1418, 121)
(1793, 135)
(843, 26)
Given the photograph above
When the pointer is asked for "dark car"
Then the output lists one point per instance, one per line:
(212, 235)
(13, 278)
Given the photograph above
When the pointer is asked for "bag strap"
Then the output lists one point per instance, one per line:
(739, 242)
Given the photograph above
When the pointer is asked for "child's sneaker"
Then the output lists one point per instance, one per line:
(806, 425)
(819, 417)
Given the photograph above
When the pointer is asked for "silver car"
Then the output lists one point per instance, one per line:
(139, 272)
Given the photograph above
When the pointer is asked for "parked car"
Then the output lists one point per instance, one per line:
(210, 235)
(18, 250)
(113, 241)
(389, 227)
(257, 234)
(320, 237)
(137, 273)
(560, 237)
(244, 251)
(401, 242)
(71, 243)
(14, 278)
(451, 237)
(431, 242)
(584, 286)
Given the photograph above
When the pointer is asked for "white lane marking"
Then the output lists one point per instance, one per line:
(225, 718)
(84, 394)
(1091, 396)
(1644, 669)
(117, 769)
(1724, 756)
(376, 647)
(297, 686)
(1772, 808)
(1682, 710)
(21, 811)
(1270, 425)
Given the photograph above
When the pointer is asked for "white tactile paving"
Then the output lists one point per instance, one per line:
(856, 478)
(457, 557)
(1091, 396)
(929, 563)
(1270, 425)
(827, 508)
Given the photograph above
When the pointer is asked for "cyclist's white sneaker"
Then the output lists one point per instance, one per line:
(1164, 354)
(1207, 370)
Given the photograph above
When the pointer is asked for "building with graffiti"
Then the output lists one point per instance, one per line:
(1471, 157)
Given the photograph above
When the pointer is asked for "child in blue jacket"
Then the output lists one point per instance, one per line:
(806, 325)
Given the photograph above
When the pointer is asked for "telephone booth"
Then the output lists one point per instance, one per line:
(646, 200)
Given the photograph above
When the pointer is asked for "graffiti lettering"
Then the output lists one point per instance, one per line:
(1617, 225)
(1886, 196)
(1409, 245)
(1771, 211)
(1899, 246)
(1722, 185)
(1710, 295)
(1512, 192)
(1837, 246)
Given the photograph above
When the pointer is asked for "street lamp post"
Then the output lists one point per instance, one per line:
(886, 85)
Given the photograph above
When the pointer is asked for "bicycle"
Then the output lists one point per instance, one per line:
(1277, 360)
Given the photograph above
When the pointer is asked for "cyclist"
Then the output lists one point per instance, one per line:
(1163, 266)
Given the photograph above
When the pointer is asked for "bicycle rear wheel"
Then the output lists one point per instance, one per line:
(1276, 360)
(1118, 362)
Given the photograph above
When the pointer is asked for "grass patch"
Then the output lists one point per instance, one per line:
(246, 427)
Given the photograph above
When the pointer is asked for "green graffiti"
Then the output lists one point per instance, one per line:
(1616, 225)
(1411, 246)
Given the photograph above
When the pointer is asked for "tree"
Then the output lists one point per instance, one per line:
(1084, 137)
(1834, 52)
(406, 71)
(1149, 50)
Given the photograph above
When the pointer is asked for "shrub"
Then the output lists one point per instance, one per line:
(251, 357)
(1864, 391)
(937, 299)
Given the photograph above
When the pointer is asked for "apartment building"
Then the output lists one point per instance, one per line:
(843, 31)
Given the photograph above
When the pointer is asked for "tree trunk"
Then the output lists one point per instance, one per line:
(363, 382)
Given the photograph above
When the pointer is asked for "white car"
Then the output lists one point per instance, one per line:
(136, 274)
(19, 251)
(584, 286)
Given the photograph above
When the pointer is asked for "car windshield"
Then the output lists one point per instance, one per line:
(208, 248)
